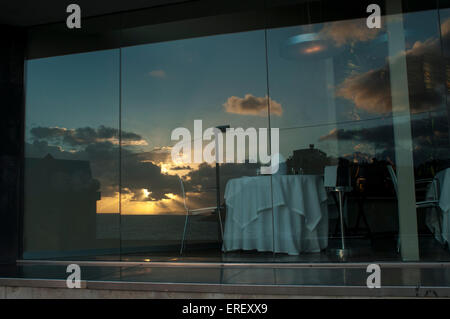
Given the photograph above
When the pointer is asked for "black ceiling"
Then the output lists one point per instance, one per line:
(35, 12)
(27, 13)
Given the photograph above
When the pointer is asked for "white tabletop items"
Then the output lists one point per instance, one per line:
(299, 222)
(439, 221)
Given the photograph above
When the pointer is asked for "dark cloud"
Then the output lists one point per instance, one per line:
(97, 147)
(103, 159)
(40, 148)
(85, 135)
(156, 155)
(204, 178)
(47, 132)
(138, 175)
(180, 168)
(381, 136)
(430, 138)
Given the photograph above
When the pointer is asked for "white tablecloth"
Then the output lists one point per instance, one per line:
(300, 214)
(444, 204)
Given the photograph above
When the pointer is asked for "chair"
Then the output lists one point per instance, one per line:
(434, 202)
(195, 212)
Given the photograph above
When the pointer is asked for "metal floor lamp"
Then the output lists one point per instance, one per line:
(334, 182)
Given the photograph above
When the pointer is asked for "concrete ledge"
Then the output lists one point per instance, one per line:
(37, 283)
(60, 293)
(40, 288)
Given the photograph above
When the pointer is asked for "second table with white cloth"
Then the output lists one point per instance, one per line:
(298, 222)
(441, 229)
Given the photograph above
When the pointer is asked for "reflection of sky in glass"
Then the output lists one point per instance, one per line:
(221, 80)
(306, 86)
(191, 79)
(73, 91)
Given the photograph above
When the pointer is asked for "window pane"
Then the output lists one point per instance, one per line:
(71, 157)
(333, 80)
(189, 85)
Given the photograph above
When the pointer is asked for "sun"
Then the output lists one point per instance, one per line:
(165, 168)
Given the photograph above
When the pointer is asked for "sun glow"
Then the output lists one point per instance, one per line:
(140, 201)
(170, 205)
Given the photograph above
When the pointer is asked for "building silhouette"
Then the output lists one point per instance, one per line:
(60, 205)
(308, 161)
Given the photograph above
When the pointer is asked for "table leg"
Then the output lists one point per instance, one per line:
(341, 208)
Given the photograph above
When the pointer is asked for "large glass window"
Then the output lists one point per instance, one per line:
(121, 145)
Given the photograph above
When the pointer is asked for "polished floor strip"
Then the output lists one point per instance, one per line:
(400, 265)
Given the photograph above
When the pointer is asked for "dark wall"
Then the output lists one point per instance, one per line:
(11, 145)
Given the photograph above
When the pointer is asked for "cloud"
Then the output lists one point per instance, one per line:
(371, 91)
(157, 155)
(100, 148)
(180, 168)
(430, 139)
(445, 28)
(86, 135)
(348, 32)
(252, 105)
(161, 74)
(40, 148)
(140, 170)
(381, 136)
(48, 132)
(205, 176)
(137, 175)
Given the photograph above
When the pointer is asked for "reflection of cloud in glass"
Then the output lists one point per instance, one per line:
(86, 135)
(378, 141)
(150, 182)
(370, 91)
(252, 105)
(445, 27)
(158, 74)
(348, 32)
(100, 147)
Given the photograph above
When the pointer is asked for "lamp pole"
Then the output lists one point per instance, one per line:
(222, 129)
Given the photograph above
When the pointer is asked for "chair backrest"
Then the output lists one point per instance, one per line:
(393, 177)
(330, 176)
(183, 193)
(434, 184)
(436, 188)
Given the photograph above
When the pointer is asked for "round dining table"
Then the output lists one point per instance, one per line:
(278, 213)
(441, 228)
